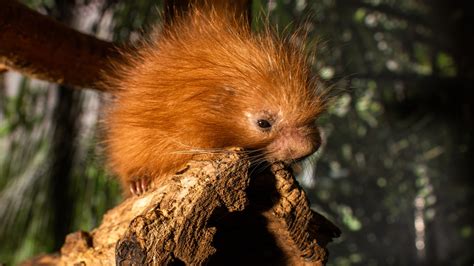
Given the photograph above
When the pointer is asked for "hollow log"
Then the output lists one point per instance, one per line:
(214, 213)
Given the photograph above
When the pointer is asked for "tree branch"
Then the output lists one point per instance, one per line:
(214, 214)
(40, 47)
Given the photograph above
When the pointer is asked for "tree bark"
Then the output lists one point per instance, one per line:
(212, 213)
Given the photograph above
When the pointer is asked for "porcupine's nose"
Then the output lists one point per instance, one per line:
(294, 143)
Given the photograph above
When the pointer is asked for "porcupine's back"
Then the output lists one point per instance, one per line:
(195, 85)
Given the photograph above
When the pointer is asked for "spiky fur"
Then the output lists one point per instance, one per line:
(192, 87)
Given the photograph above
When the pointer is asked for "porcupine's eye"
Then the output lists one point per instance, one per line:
(264, 124)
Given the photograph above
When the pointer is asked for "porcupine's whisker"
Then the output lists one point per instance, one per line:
(257, 161)
(201, 151)
(255, 156)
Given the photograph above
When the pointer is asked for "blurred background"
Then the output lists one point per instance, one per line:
(394, 172)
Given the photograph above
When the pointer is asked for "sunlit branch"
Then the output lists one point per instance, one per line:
(40, 47)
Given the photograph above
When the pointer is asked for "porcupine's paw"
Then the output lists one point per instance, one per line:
(139, 186)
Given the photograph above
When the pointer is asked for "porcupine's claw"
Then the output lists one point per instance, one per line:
(139, 186)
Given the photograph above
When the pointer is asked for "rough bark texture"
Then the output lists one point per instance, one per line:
(40, 47)
(212, 213)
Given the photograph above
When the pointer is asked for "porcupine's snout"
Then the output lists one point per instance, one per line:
(293, 144)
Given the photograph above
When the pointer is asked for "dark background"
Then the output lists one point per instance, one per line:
(394, 172)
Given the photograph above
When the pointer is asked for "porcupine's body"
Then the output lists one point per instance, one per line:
(207, 83)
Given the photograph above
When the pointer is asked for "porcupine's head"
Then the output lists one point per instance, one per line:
(262, 95)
